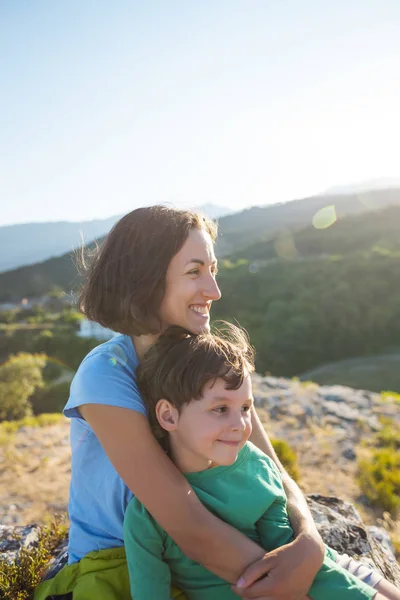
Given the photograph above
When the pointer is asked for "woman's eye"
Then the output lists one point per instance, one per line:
(194, 272)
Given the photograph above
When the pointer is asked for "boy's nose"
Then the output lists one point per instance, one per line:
(238, 423)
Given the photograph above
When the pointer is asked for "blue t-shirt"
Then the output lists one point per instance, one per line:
(98, 496)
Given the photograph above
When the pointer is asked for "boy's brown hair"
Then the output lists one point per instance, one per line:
(178, 366)
(125, 281)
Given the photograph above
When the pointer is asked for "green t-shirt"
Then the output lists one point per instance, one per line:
(249, 495)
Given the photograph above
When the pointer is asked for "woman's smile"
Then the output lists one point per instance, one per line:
(203, 310)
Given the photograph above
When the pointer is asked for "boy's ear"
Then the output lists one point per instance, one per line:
(167, 415)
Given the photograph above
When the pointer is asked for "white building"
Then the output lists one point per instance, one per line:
(95, 330)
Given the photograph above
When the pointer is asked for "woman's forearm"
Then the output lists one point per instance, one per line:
(220, 547)
(299, 514)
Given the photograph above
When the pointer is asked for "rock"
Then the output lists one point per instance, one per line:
(349, 453)
(12, 539)
(338, 523)
(343, 411)
(340, 393)
(382, 536)
(341, 528)
(358, 412)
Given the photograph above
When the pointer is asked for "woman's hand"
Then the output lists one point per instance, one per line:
(283, 574)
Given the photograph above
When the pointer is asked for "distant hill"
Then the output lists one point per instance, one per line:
(253, 234)
(377, 230)
(36, 280)
(29, 243)
(240, 229)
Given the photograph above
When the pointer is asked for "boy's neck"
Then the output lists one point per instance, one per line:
(185, 461)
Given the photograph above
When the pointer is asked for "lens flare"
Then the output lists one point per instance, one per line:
(325, 217)
(253, 268)
(118, 356)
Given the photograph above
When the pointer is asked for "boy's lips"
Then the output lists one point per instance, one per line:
(229, 442)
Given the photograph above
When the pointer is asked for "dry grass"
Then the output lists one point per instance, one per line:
(34, 473)
(35, 470)
(324, 471)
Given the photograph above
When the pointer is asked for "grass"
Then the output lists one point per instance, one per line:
(375, 373)
(390, 396)
(9, 428)
(287, 456)
(19, 578)
(379, 471)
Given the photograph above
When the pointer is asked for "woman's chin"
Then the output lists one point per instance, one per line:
(201, 328)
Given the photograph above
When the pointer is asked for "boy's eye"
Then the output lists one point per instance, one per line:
(246, 408)
(220, 409)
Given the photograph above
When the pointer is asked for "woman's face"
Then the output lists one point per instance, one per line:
(190, 284)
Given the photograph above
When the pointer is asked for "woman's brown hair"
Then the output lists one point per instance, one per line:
(178, 366)
(125, 282)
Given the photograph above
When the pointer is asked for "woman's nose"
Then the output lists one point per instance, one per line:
(211, 290)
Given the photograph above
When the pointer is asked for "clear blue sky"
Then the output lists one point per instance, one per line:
(105, 105)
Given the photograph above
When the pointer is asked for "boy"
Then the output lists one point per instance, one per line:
(197, 389)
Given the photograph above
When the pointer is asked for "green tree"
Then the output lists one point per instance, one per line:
(20, 376)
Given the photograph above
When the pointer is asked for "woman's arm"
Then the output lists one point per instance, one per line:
(299, 513)
(148, 472)
(292, 568)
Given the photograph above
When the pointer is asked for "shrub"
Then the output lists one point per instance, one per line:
(379, 478)
(19, 578)
(287, 456)
(50, 399)
(389, 435)
(19, 377)
(394, 396)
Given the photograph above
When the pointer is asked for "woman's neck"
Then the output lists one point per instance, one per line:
(142, 343)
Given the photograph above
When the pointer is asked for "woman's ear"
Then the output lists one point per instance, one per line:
(167, 415)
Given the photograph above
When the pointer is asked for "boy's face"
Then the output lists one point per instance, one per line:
(211, 431)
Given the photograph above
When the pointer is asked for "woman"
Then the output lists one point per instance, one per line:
(156, 268)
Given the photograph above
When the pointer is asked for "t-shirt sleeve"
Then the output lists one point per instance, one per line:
(144, 539)
(104, 378)
(274, 526)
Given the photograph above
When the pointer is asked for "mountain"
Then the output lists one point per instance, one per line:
(377, 230)
(29, 243)
(241, 229)
(251, 233)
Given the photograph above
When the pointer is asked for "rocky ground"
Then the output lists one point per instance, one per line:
(326, 426)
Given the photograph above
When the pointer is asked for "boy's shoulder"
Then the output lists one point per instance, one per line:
(138, 519)
(259, 457)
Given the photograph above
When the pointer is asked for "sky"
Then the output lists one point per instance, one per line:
(106, 106)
